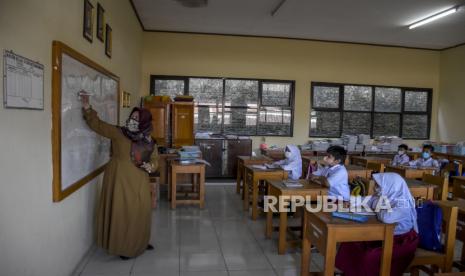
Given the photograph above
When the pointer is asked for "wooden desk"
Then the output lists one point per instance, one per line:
(251, 185)
(324, 231)
(275, 154)
(247, 160)
(197, 170)
(409, 172)
(364, 160)
(417, 188)
(357, 171)
(277, 189)
(306, 161)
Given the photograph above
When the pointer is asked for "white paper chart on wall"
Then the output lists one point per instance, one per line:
(23, 82)
(82, 150)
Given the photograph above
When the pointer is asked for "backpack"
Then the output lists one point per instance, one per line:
(429, 219)
(357, 187)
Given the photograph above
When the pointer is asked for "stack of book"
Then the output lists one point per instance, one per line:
(292, 183)
(189, 154)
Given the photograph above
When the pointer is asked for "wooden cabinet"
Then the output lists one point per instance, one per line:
(212, 152)
(235, 148)
(222, 155)
(173, 123)
(182, 119)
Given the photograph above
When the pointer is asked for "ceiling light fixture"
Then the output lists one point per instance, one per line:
(433, 17)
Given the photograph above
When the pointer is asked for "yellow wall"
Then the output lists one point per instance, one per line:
(38, 237)
(302, 61)
(451, 111)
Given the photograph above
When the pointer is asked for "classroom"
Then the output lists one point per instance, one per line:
(220, 137)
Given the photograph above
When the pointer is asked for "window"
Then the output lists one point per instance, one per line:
(339, 109)
(234, 106)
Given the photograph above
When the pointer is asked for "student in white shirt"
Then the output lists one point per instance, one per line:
(426, 160)
(335, 173)
(292, 163)
(401, 157)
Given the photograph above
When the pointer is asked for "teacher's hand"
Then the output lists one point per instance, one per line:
(147, 166)
(85, 101)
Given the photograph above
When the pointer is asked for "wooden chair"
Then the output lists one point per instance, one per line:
(442, 185)
(154, 180)
(449, 168)
(369, 185)
(397, 170)
(438, 260)
(376, 167)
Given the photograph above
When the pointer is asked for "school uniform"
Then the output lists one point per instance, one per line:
(423, 163)
(400, 159)
(338, 180)
(364, 258)
(293, 164)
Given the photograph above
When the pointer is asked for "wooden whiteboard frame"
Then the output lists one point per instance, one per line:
(58, 49)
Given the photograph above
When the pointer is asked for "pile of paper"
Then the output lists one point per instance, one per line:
(189, 153)
(364, 139)
(320, 145)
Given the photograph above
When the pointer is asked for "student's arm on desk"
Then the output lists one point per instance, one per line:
(323, 181)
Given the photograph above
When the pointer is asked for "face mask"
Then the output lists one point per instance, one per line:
(287, 154)
(426, 155)
(132, 125)
(401, 152)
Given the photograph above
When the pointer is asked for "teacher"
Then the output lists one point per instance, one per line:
(124, 211)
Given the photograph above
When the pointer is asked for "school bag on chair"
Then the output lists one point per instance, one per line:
(429, 219)
(357, 187)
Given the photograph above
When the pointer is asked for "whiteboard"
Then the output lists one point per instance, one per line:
(23, 82)
(82, 153)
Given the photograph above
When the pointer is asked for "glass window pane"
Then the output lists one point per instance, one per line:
(325, 97)
(240, 121)
(170, 88)
(325, 124)
(356, 123)
(386, 124)
(241, 93)
(415, 126)
(388, 99)
(207, 119)
(416, 101)
(276, 94)
(206, 91)
(357, 98)
(274, 121)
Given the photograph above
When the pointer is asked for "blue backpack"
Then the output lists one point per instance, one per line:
(429, 219)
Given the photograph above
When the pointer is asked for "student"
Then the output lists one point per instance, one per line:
(335, 173)
(124, 215)
(364, 258)
(292, 163)
(426, 160)
(401, 157)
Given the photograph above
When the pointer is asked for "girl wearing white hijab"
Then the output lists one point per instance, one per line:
(292, 163)
(363, 258)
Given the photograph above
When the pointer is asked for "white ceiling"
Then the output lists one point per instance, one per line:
(362, 21)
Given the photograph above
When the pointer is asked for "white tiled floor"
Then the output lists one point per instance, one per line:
(219, 240)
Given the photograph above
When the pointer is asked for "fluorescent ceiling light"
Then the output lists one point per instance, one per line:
(433, 17)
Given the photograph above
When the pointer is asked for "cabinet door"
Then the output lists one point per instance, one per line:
(236, 148)
(160, 124)
(183, 124)
(212, 152)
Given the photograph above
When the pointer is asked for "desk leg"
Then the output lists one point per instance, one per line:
(243, 178)
(194, 183)
(330, 257)
(238, 178)
(255, 184)
(173, 189)
(202, 187)
(306, 255)
(269, 224)
(386, 256)
(245, 192)
(282, 243)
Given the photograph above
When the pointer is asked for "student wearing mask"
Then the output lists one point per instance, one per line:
(334, 173)
(364, 258)
(426, 160)
(124, 211)
(292, 163)
(401, 157)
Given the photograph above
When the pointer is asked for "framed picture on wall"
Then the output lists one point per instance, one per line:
(88, 21)
(108, 40)
(100, 22)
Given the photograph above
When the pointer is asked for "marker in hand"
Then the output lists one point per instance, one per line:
(84, 97)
